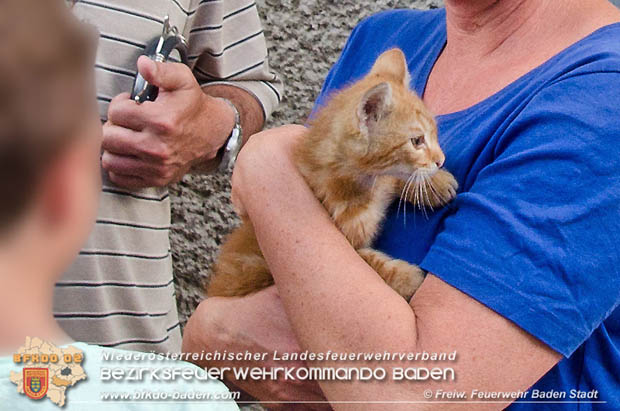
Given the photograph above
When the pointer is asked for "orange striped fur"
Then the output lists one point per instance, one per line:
(373, 142)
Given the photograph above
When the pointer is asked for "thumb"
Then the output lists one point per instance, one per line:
(166, 76)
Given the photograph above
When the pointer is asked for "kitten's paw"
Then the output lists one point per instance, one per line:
(443, 189)
(406, 278)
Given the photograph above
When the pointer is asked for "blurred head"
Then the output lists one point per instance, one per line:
(379, 126)
(49, 128)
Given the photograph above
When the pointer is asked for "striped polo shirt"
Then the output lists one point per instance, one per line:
(119, 292)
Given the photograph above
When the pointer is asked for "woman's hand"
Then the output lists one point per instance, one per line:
(257, 324)
(265, 156)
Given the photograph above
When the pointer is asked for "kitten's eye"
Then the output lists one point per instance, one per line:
(417, 141)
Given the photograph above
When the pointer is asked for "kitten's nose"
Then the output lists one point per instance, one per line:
(439, 162)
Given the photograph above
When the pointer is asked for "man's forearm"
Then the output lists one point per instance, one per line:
(250, 110)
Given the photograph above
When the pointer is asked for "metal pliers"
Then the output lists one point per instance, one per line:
(159, 49)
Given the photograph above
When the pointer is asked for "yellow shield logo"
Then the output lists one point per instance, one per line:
(36, 381)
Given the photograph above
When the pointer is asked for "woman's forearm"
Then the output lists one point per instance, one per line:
(334, 300)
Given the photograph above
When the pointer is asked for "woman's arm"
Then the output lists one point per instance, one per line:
(336, 302)
(257, 324)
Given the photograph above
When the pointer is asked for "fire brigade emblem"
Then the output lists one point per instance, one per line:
(36, 382)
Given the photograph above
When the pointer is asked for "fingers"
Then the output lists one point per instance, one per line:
(124, 171)
(153, 173)
(126, 113)
(137, 159)
(167, 76)
(120, 140)
(129, 182)
(127, 165)
(126, 142)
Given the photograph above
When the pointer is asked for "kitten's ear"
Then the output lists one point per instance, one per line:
(375, 104)
(394, 64)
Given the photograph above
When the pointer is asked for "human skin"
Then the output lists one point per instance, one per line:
(53, 227)
(314, 266)
(156, 143)
(326, 313)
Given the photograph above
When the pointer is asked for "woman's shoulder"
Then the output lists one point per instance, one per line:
(570, 100)
(598, 52)
(584, 78)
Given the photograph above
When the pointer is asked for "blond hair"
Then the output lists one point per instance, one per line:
(46, 89)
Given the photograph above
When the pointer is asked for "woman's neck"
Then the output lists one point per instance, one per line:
(492, 43)
(481, 27)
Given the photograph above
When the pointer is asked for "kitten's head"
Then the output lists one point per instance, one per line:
(380, 126)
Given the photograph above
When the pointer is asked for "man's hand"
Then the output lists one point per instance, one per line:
(258, 324)
(156, 143)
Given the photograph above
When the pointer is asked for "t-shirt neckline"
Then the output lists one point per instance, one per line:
(436, 51)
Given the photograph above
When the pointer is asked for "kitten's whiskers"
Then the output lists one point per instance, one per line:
(408, 187)
(402, 194)
(372, 187)
(440, 198)
(422, 190)
(426, 192)
(418, 199)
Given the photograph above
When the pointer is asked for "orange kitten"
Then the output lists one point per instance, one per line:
(372, 142)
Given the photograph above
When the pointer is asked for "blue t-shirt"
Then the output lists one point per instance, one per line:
(534, 233)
